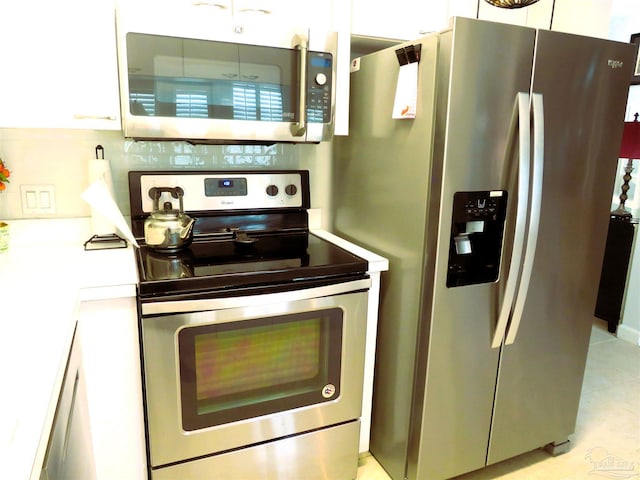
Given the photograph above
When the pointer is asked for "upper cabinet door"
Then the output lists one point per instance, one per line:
(59, 73)
(400, 19)
(583, 17)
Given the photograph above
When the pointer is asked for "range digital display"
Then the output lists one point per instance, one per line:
(225, 187)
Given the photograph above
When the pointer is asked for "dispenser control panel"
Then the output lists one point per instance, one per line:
(477, 230)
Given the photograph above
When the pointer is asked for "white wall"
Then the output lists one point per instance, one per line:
(625, 19)
(59, 157)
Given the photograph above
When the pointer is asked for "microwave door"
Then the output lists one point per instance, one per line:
(223, 92)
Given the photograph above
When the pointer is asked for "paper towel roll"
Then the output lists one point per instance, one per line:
(101, 200)
(100, 169)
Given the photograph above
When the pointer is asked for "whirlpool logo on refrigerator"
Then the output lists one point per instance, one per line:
(615, 63)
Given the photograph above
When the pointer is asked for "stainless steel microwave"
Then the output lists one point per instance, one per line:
(188, 79)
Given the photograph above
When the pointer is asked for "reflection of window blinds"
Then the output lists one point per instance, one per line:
(257, 102)
(315, 115)
(244, 102)
(191, 103)
(146, 99)
(270, 103)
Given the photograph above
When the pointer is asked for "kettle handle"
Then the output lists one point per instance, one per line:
(156, 192)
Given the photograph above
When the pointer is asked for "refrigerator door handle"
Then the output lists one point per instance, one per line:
(521, 109)
(534, 215)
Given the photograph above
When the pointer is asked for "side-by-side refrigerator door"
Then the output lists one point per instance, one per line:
(582, 84)
(485, 71)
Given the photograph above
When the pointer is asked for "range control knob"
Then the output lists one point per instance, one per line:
(321, 79)
(272, 190)
(291, 189)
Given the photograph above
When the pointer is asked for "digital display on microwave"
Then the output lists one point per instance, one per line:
(320, 62)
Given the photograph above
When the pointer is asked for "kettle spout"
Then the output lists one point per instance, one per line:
(186, 230)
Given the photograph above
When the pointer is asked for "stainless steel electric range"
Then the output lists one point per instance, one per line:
(252, 336)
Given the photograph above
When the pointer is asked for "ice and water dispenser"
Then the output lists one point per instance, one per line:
(477, 229)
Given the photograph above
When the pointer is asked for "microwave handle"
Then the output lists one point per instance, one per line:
(299, 128)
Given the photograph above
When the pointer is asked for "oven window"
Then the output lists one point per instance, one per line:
(246, 369)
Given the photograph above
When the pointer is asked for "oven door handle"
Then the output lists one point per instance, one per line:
(184, 306)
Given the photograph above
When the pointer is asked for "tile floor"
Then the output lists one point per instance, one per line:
(606, 443)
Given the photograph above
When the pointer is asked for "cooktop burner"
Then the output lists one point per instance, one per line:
(252, 237)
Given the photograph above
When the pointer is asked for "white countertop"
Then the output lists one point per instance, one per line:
(375, 261)
(43, 276)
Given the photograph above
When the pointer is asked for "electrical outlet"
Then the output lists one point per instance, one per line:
(38, 199)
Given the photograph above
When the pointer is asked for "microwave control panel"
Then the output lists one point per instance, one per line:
(320, 80)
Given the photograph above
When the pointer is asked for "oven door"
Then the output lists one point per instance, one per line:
(230, 377)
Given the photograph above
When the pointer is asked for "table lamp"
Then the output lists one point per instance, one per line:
(629, 149)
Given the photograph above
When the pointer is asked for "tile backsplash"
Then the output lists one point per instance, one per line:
(61, 157)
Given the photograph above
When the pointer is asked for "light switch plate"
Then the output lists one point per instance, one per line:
(38, 199)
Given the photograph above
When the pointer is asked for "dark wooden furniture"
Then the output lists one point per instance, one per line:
(615, 266)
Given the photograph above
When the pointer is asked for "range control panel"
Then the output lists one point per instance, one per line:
(221, 190)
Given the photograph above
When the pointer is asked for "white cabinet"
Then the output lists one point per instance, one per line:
(463, 8)
(583, 17)
(400, 19)
(108, 332)
(59, 65)
(241, 17)
(69, 452)
(258, 16)
(337, 18)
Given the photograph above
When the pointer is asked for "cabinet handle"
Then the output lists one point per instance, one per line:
(221, 6)
(256, 10)
(79, 116)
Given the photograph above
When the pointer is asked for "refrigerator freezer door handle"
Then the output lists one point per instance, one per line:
(534, 215)
(521, 109)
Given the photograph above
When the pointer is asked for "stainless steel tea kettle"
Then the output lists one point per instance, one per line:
(168, 229)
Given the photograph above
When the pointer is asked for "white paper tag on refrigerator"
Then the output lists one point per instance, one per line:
(404, 105)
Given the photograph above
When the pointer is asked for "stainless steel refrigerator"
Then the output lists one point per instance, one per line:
(492, 206)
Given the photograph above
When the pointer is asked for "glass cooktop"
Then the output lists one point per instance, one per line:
(269, 262)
